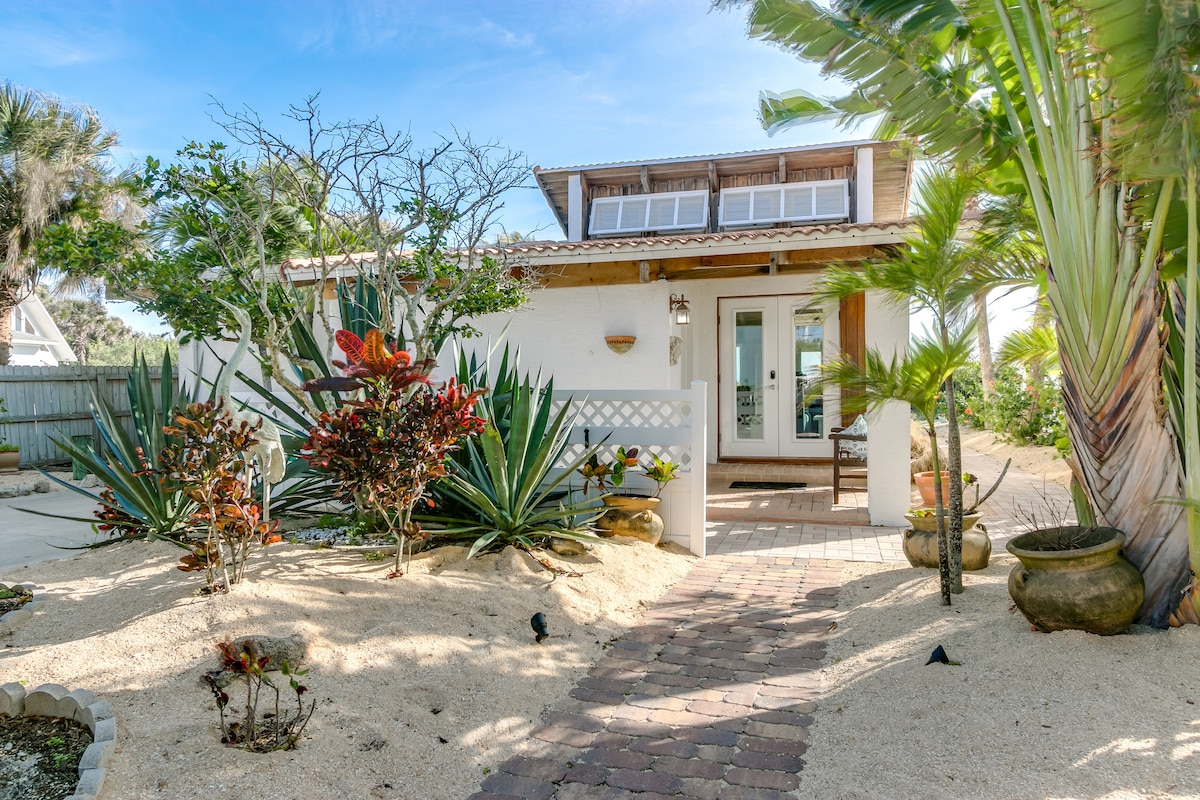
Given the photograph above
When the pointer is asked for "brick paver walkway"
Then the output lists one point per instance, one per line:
(709, 697)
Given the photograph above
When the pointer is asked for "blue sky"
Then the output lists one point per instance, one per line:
(564, 82)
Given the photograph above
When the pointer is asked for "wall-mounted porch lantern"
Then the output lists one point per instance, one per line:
(679, 307)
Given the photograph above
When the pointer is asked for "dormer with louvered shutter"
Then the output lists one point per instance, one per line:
(848, 182)
(807, 201)
(664, 212)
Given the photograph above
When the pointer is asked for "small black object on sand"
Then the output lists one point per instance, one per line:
(538, 623)
(939, 655)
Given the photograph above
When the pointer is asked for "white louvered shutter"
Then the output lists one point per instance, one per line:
(605, 215)
(798, 201)
(766, 205)
(662, 212)
(692, 210)
(735, 206)
(633, 213)
(787, 202)
(831, 200)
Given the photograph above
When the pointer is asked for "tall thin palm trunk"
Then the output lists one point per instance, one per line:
(954, 468)
(987, 365)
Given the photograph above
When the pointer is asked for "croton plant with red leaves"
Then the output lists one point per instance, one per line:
(382, 451)
(372, 367)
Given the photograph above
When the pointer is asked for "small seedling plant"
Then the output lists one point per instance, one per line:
(207, 461)
(271, 730)
(624, 463)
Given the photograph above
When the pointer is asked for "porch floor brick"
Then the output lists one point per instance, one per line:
(709, 697)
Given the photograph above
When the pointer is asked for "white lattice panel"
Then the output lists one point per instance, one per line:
(658, 423)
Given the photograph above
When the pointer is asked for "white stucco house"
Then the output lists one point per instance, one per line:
(708, 263)
(740, 238)
(36, 339)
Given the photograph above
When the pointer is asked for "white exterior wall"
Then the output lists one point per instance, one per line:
(888, 445)
(562, 331)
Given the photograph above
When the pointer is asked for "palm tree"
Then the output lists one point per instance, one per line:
(936, 271)
(918, 379)
(51, 172)
(1028, 87)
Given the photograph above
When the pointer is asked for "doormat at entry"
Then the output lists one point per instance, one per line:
(783, 485)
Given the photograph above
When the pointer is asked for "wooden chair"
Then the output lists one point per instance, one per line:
(847, 465)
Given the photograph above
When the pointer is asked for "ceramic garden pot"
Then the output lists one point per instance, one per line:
(928, 524)
(1075, 578)
(924, 481)
(631, 516)
(10, 460)
(921, 543)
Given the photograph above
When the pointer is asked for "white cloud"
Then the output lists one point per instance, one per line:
(38, 48)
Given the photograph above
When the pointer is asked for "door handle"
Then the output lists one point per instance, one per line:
(769, 386)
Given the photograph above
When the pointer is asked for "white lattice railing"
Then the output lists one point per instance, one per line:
(666, 423)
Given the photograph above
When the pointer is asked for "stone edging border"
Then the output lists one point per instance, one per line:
(52, 700)
(18, 615)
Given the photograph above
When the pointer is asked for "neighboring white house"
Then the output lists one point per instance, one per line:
(740, 239)
(36, 339)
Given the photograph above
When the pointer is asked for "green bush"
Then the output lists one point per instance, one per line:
(1020, 411)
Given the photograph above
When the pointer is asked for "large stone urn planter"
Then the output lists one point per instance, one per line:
(921, 543)
(1075, 578)
(631, 516)
(924, 482)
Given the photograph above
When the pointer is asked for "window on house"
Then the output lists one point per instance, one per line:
(21, 323)
(660, 212)
(785, 202)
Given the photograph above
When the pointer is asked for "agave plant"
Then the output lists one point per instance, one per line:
(506, 484)
(133, 504)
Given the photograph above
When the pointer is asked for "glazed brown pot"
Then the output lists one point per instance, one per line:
(921, 546)
(1075, 578)
(924, 481)
(10, 460)
(927, 524)
(631, 516)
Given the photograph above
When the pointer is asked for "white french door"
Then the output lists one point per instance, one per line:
(771, 349)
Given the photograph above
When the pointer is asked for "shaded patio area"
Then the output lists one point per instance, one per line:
(811, 503)
(804, 523)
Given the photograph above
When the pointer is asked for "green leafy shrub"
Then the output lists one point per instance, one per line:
(1023, 411)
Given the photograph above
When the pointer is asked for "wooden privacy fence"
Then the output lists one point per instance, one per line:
(666, 423)
(57, 400)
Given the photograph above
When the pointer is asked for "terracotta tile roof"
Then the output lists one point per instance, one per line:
(768, 235)
(759, 236)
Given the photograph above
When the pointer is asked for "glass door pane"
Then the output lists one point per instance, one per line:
(748, 374)
(808, 334)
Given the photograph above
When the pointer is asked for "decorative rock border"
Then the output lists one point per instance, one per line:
(18, 615)
(52, 700)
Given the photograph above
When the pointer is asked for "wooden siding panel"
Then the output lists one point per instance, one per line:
(852, 323)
